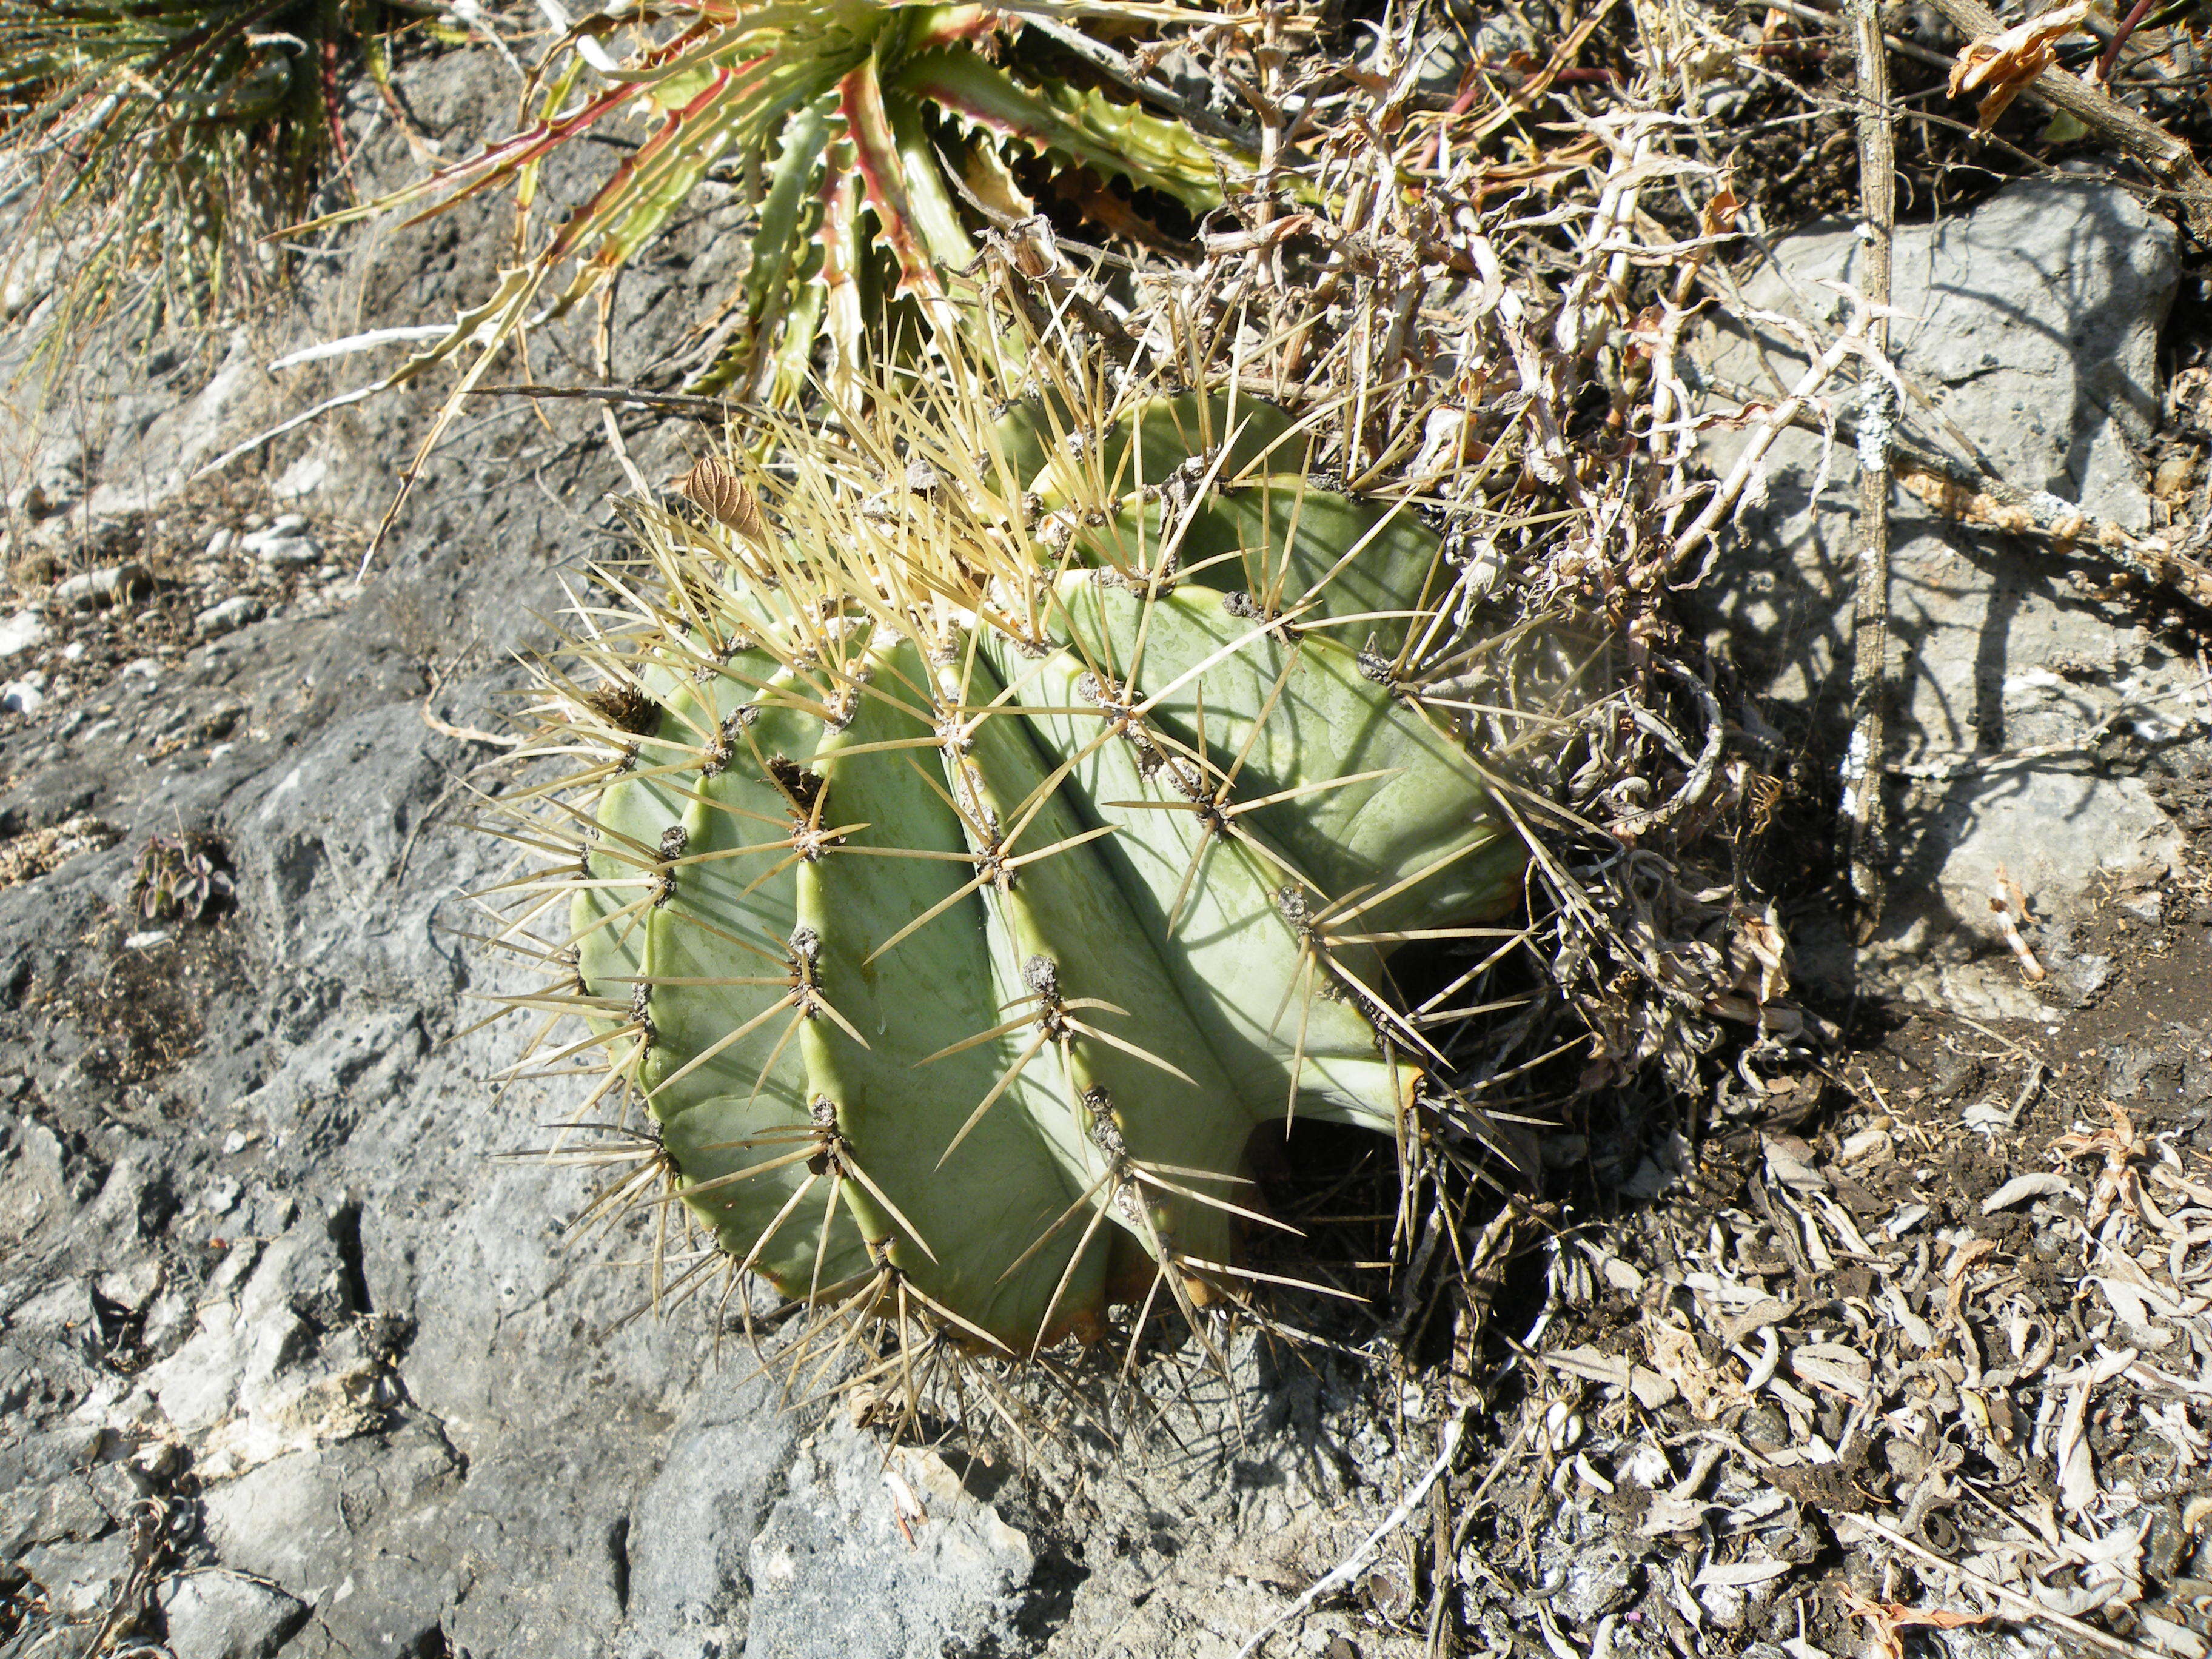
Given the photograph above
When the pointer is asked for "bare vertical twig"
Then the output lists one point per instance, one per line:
(1863, 801)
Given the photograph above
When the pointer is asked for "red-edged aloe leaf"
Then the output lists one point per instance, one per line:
(498, 162)
(629, 211)
(1086, 126)
(945, 26)
(884, 172)
(842, 253)
(526, 178)
(494, 165)
(781, 293)
(793, 184)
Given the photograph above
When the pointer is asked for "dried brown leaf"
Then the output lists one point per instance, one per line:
(2003, 65)
(1888, 1617)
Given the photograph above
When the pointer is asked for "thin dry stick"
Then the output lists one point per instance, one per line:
(2027, 1605)
(1768, 424)
(1863, 801)
(1348, 1570)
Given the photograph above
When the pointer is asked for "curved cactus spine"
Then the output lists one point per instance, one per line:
(989, 825)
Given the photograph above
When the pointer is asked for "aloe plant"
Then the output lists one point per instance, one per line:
(976, 829)
(162, 137)
(851, 121)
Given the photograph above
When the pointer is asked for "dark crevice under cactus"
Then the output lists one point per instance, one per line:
(986, 825)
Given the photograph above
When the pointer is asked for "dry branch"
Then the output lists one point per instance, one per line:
(1863, 799)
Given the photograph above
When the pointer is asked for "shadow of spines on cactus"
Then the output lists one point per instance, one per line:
(977, 826)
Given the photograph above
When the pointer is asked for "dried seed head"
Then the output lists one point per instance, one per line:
(713, 487)
(800, 787)
(625, 706)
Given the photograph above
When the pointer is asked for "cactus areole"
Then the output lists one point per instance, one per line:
(985, 825)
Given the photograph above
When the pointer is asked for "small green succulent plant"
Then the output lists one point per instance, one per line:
(852, 125)
(980, 824)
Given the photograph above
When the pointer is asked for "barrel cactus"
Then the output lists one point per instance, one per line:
(986, 823)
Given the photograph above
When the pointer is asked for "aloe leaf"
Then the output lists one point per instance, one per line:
(904, 190)
(794, 187)
(1109, 137)
(843, 254)
(630, 208)
(495, 165)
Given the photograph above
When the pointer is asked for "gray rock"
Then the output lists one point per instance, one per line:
(23, 631)
(291, 552)
(285, 543)
(215, 1614)
(112, 585)
(2032, 324)
(224, 615)
(870, 1557)
(690, 1539)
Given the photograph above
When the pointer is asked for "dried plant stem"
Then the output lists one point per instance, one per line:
(2032, 1609)
(1348, 1570)
(1862, 799)
(2042, 522)
(1765, 427)
(2164, 156)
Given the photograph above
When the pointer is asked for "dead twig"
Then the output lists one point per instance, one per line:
(2009, 906)
(1968, 495)
(1346, 1570)
(1863, 799)
(2032, 1609)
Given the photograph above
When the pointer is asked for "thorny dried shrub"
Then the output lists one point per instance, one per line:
(157, 139)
